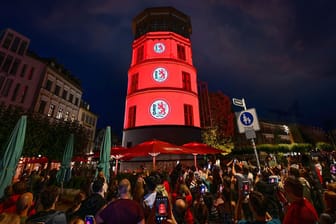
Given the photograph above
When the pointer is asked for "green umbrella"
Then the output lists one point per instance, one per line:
(105, 153)
(13, 151)
(64, 174)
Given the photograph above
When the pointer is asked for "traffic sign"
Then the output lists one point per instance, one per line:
(247, 120)
(239, 102)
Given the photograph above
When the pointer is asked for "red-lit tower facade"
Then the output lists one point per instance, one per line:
(162, 99)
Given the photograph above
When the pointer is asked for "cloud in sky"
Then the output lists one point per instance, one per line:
(273, 52)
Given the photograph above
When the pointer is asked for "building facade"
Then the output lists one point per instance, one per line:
(162, 98)
(88, 120)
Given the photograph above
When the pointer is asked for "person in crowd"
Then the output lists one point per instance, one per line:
(105, 185)
(77, 202)
(9, 218)
(93, 203)
(48, 199)
(329, 214)
(9, 205)
(258, 209)
(179, 210)
(123, 210)
(200, 210)
(24, 206)
(300, 210)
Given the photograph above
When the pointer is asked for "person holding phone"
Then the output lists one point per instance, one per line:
(123, 210)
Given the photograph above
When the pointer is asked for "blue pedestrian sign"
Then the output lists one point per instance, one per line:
(247, 120)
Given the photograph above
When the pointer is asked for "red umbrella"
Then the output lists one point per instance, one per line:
(79, 159)
(197, 148)
(118, 152)
(155, 148)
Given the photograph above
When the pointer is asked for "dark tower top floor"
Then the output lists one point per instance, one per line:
(161, 19)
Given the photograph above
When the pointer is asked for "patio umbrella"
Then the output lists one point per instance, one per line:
(118, 152)
(196, 148)
(12, 154)
(64, 174)
(155, 148)
(105, 153)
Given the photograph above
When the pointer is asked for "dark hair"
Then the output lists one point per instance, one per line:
(19, 187)
(49, 196)
(98, 184)
(257, 202)
(294, 185)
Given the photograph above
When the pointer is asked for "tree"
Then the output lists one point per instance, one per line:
(211, 136)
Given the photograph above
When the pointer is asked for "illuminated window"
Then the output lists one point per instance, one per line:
(188, 115)
(42, 106)
(16, 90)
(131, 116)
(66, 116)
(140, 54)
(134, 82)
(24, 94)
(8, 40)
(186, 81)
(59, 114)
(181, 52)
(51, 110)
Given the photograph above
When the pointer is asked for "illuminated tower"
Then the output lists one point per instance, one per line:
(162, 98)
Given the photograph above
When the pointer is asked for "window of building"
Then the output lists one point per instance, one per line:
(66, 117)
(15, 66)
(186, 81)
(76, 101)
(72, 117)
(15, 44)
(31, 73)
(51, 110)
(131, 116)
(188, 115)
(59, 114)
(57, 90)
(42, 106)
(22, 48)
(15, 92)
(23, 70)
(140, 54)
(2, 34)
(134, 82)
(7, 63)
(8, 40)
(7, 87)
(2, 57)
(48, 85)
(181, 54)
(24, 94)
(83, 117)
(71, 98)
(65, 94)
(2, 80)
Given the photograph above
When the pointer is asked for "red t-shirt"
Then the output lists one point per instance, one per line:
(299, 212)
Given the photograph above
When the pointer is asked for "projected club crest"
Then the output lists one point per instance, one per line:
(160, 74)
(159, 48)
(159, 109)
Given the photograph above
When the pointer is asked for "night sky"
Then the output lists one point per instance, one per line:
(280, 55)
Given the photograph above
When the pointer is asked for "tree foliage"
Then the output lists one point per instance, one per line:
(211, 136)
(43, 137)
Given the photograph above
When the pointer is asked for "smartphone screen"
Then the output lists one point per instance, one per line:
(161, 210)
(89, 219)
(246, 187)
(273, 180)
(333, 168)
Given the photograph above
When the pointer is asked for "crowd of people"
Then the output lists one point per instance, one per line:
(300, 189)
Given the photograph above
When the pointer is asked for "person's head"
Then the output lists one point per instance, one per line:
(124, 187)
(9, 218)
(180, 206)
(97, 185)
(294, 172)
(49, 197)
(293, 188)
(151, 182)
(257, 204)
(24, 203)
(332, 187)
(330, 200)
(19, 187)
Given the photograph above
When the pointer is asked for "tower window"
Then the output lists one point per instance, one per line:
(31, 73)
(8, 40)
(15, 44)
(188, 115)
(2, 57)
(24, 94)
(23, 71)
(140, 54)
(7, 63)
(134, 82)
(131, 116)
(16, 90)
(15, 67)
(186, 81)
(7, 87)
(181, 54)
(22, 48)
